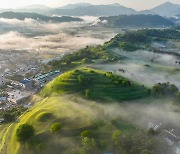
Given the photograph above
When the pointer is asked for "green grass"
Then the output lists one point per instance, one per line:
(44, 116)
(58, 102)
(75, 117)
(101, 87)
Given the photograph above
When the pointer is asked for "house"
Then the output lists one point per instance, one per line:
(27, 84)
(153, 126)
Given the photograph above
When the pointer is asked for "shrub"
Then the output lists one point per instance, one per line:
(24, 132)
(86, 133)
(88, 144)
(87, 92)
(55, 127)
(166, 89)
(80, 78)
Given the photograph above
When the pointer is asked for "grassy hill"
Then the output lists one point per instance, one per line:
(59, 102)
(75, 116)
(95, 84)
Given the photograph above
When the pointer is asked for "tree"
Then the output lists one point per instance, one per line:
(68, 61)
(8, 117)
(55, 127)
(86, 133)
(115, 136)
(88, 144)
(80, 78)
(24, 132)
(87, 92)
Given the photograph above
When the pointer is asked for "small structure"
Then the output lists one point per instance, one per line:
(153, 126)
(3, 99)
(27, 84)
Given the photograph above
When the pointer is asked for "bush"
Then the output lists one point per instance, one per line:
(8, 117)
(165, 89)
(24, 132)
(86, 133)
(88, 144)
(80, 78)
(87, 92)
(55, 127)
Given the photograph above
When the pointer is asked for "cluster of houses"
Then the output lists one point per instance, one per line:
(15, 92)
(39, 80)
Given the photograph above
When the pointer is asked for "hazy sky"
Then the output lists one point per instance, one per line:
(136, 4)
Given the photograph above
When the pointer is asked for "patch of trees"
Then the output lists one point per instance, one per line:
(165, 89)
(134, 143)
(130, 41)
(128, 47)
(11, 114)
(56, 127)
(116, 80)
(88, 93)
(86, 133)
(24, 133)
(162, 33)
(139, 39)
(142, 20)
(84, 56)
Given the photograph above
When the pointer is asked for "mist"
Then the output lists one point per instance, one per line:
(140, 67)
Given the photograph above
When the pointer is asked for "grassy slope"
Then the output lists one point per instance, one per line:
(100, 86)
(75, 113)
(74, 116)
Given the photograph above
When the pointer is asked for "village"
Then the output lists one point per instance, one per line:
(13, 92)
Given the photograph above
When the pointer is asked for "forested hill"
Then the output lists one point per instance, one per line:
(35, 16)
(139, 21)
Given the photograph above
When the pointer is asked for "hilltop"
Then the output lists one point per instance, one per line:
(100, 85)
(136, 21)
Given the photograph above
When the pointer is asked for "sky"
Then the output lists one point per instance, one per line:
(136, 4)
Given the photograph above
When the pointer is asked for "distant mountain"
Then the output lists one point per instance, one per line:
(35, 16)
(136, 21)
(167, 9)
(94, 10)
(73, 6)
(35, 6)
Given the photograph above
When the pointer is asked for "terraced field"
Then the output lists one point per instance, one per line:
(102, 85)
